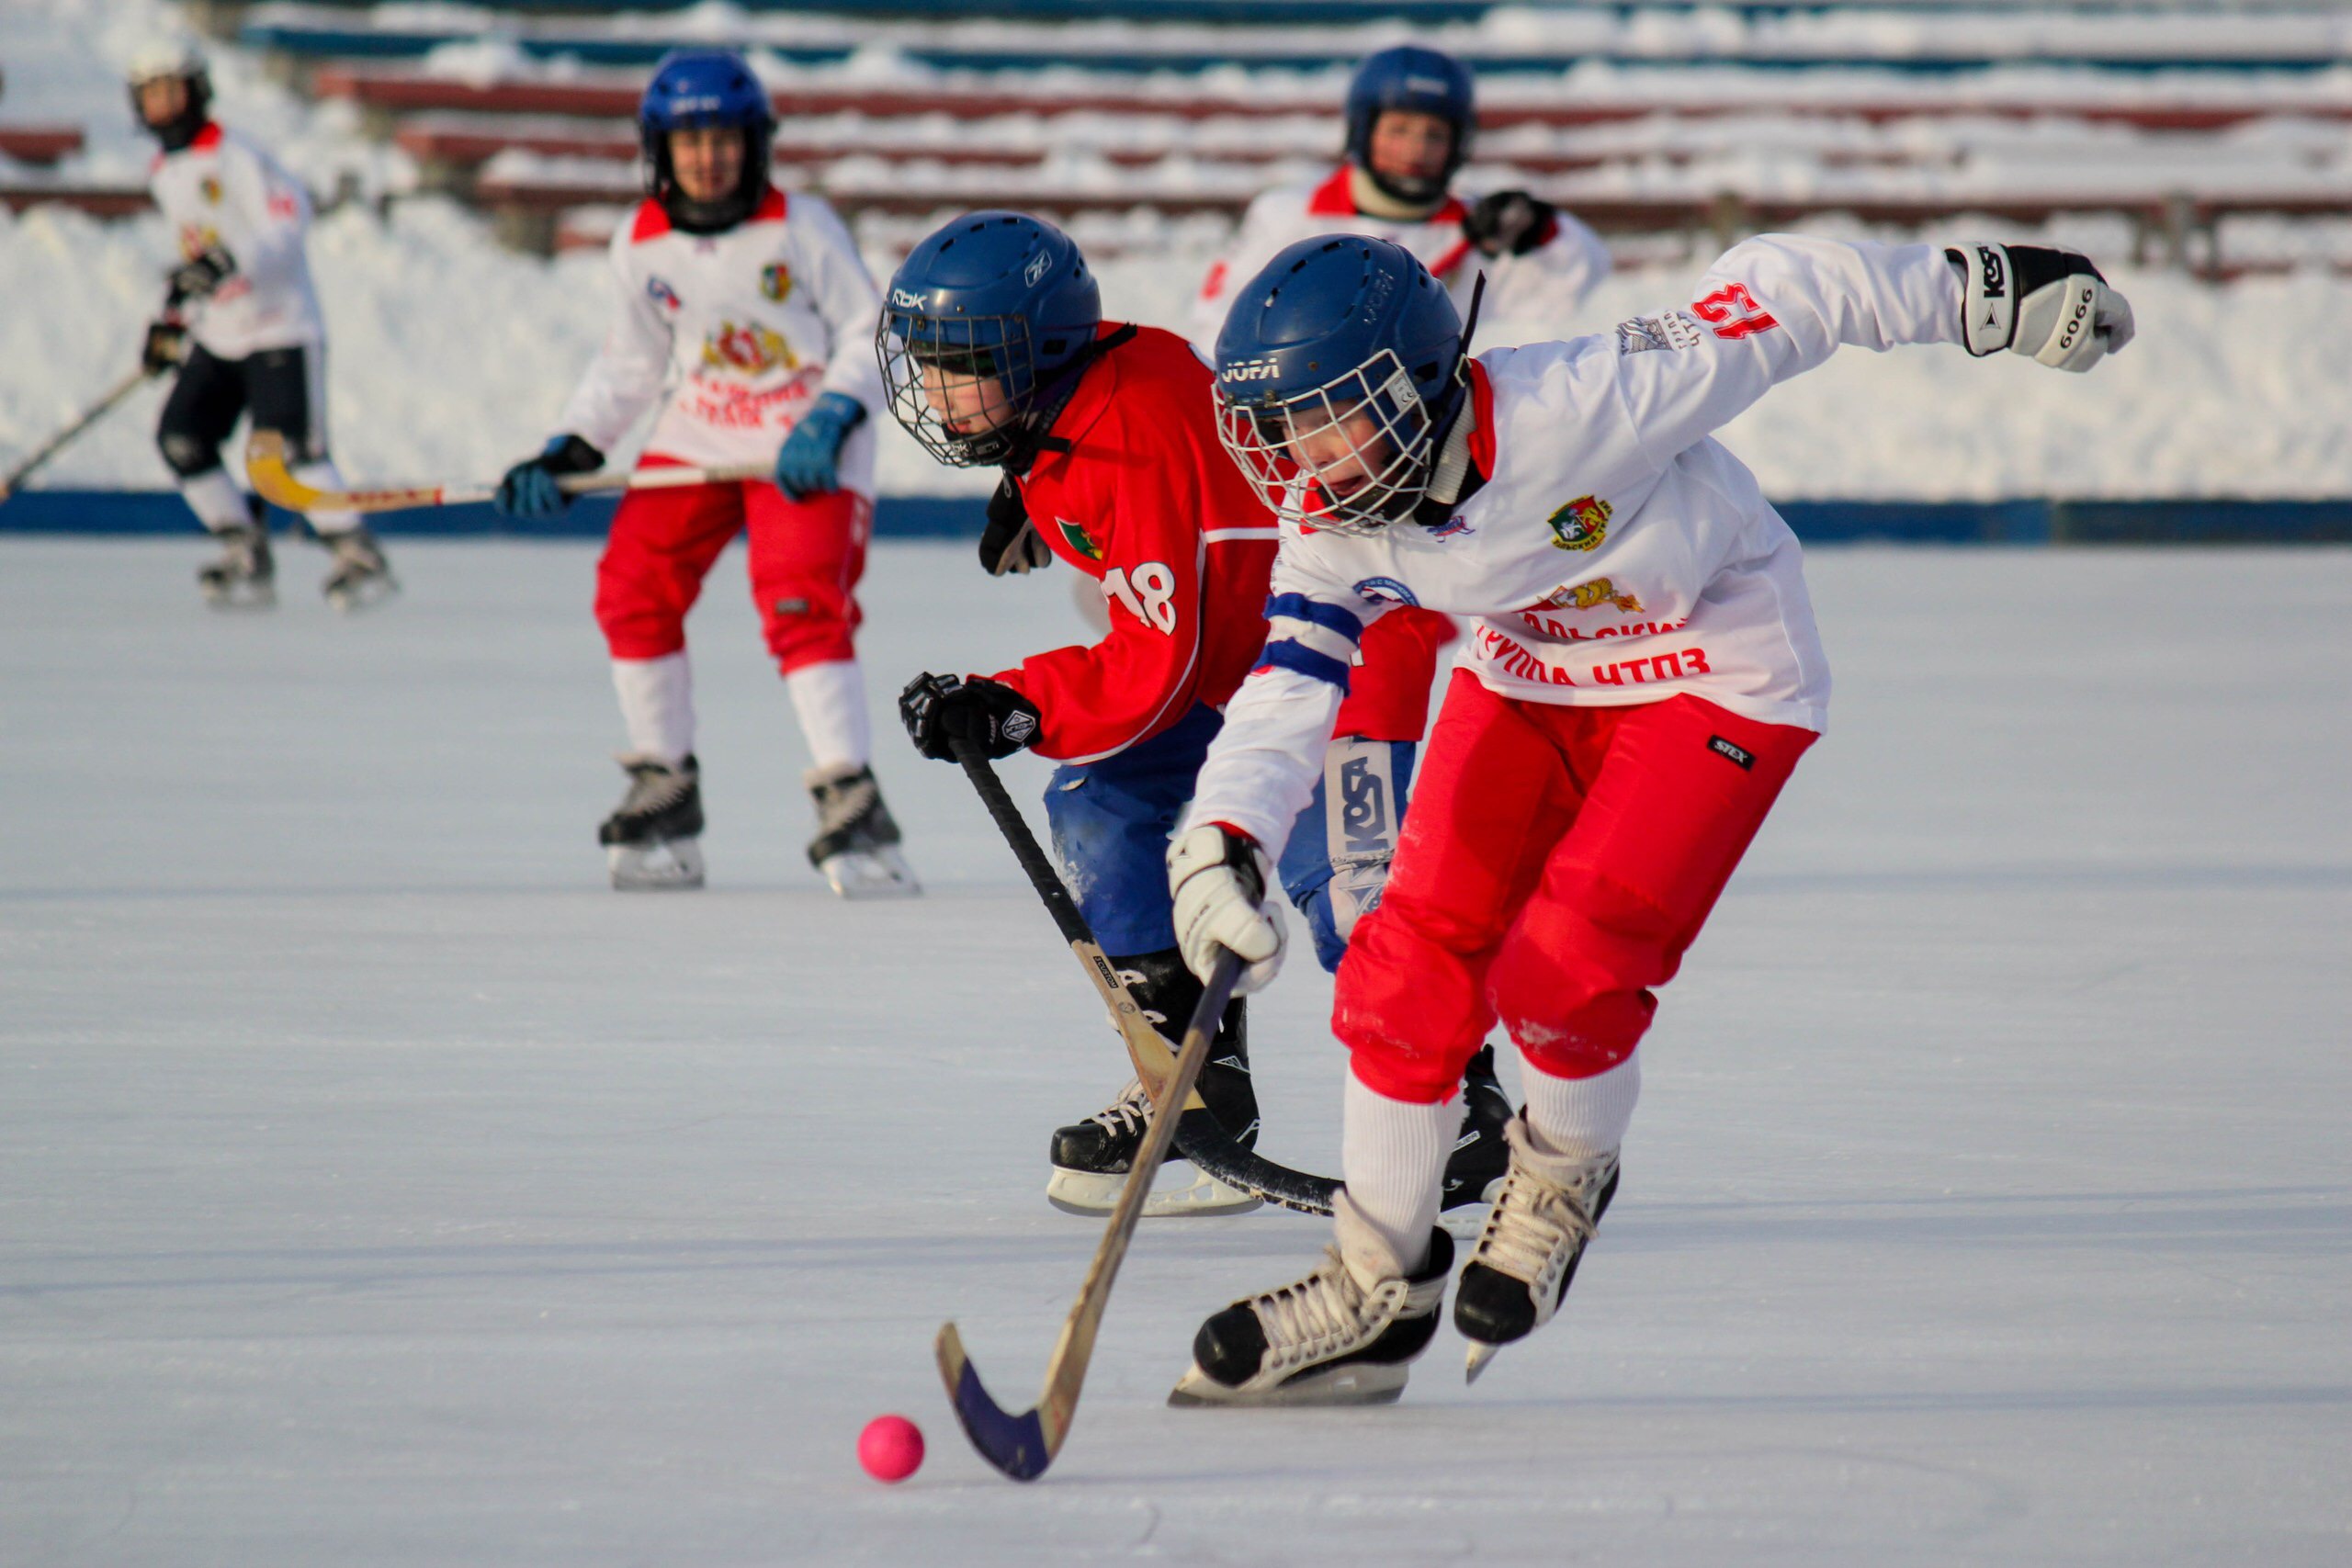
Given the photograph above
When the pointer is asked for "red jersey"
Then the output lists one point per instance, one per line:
(1145, 501)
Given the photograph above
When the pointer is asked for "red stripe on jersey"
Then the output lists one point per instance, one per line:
(1481, 404)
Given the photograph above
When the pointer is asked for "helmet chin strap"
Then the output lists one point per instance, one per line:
(1057, 398)
(1452, 479)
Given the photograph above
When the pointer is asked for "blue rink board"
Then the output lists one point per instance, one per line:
(2025, 522)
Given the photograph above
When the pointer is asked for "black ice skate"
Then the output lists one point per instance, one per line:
(1527, 1252)
(1345, 1335)
(856, 844)
(650, 839)
(360, 576)
(1094, 1157)
(1473, 1172)
(244, 578)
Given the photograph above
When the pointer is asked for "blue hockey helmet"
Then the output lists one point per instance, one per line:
(985, 326)
(1338, 369)
(1424, 82)
(692, 90)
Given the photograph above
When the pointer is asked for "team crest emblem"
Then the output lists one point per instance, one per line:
(1075, 535)
(1581, 525)
(1385, 591)
(210, 188)
(662, 294)
(776, 281)
(1597, 594)
(751, 350)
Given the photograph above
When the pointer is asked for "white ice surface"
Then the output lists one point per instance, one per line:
(376, 1186)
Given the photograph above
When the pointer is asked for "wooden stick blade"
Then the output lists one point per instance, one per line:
(272, 479)
(1017, 1445)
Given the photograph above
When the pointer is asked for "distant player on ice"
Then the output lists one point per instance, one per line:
(240, 324)
(995, 352)
(749, 308)
(1642, 676)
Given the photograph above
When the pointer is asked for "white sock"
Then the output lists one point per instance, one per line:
(1580, 1118)
(657, 706)
(324, 475)
(1391, 1156)
(215, 501)
(831, 700)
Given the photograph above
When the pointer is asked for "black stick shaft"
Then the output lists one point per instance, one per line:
(1025, 848)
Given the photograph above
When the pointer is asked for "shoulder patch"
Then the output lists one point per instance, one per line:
(1385, 591)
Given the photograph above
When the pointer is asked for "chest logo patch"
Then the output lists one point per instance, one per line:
(210, 188)
(776, 282)
(660, 293)
(751, 350)
(1598, 593)
(1581, 525)
(1075, 535)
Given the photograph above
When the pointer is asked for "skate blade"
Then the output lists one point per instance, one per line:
(1357, 1383)
(1094, 1195)
(878, 872)
(674, 864)
(1476, 1361)
(245, 596)
(351, 598)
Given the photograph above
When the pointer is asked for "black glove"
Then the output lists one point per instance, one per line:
(1011, 542)
(1509, 222)
(529, 488)
(939, 710)
(198, 277)
(166, 347)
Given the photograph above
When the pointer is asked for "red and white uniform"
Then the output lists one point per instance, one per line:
(1546, 285)
(1643, 669)
(735, 333)
(1145, 501)
(222, 191)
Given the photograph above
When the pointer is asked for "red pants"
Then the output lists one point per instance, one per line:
(807, 556)
(1555, 866)
(1388, 696)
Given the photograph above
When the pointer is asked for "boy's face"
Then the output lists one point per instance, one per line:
(162, 99)
(708, 159)
(1409, 145)
(967, 402)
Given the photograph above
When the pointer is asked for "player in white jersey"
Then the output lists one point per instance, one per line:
(241, 326)
(744, 312)
(1643, 676)
(1411, 115)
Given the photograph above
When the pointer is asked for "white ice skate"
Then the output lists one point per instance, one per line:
(360, 577)
(244, 578)
(1091, 1160)
(652, 839)
(1527, 1251)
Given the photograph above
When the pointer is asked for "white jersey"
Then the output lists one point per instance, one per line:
(743, 329)
(1545, 285)
(220, 191)
(1616, 553)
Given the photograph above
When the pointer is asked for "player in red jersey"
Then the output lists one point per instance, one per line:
(994, 351)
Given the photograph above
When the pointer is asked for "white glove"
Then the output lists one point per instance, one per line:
(2049, 304)
(1219, 881)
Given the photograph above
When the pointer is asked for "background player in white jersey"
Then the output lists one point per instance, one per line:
(1411, 117)
(746, 314)
(1643, 675)
(242, 324)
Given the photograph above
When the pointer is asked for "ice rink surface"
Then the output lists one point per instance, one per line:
(376, 1186)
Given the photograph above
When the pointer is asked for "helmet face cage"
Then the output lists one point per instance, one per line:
(983, 368)
(1348, 457)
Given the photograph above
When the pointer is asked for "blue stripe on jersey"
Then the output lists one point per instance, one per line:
(1301, 660)
(1332, 617)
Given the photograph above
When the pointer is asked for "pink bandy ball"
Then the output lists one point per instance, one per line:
(890, 1448)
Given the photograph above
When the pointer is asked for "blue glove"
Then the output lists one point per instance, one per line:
(529, 489)
(806, 466)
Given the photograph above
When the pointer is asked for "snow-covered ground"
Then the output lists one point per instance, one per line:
(379, 1189)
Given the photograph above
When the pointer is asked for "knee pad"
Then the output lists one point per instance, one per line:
(189, 456)
(1335, 866)
(1572, 983)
